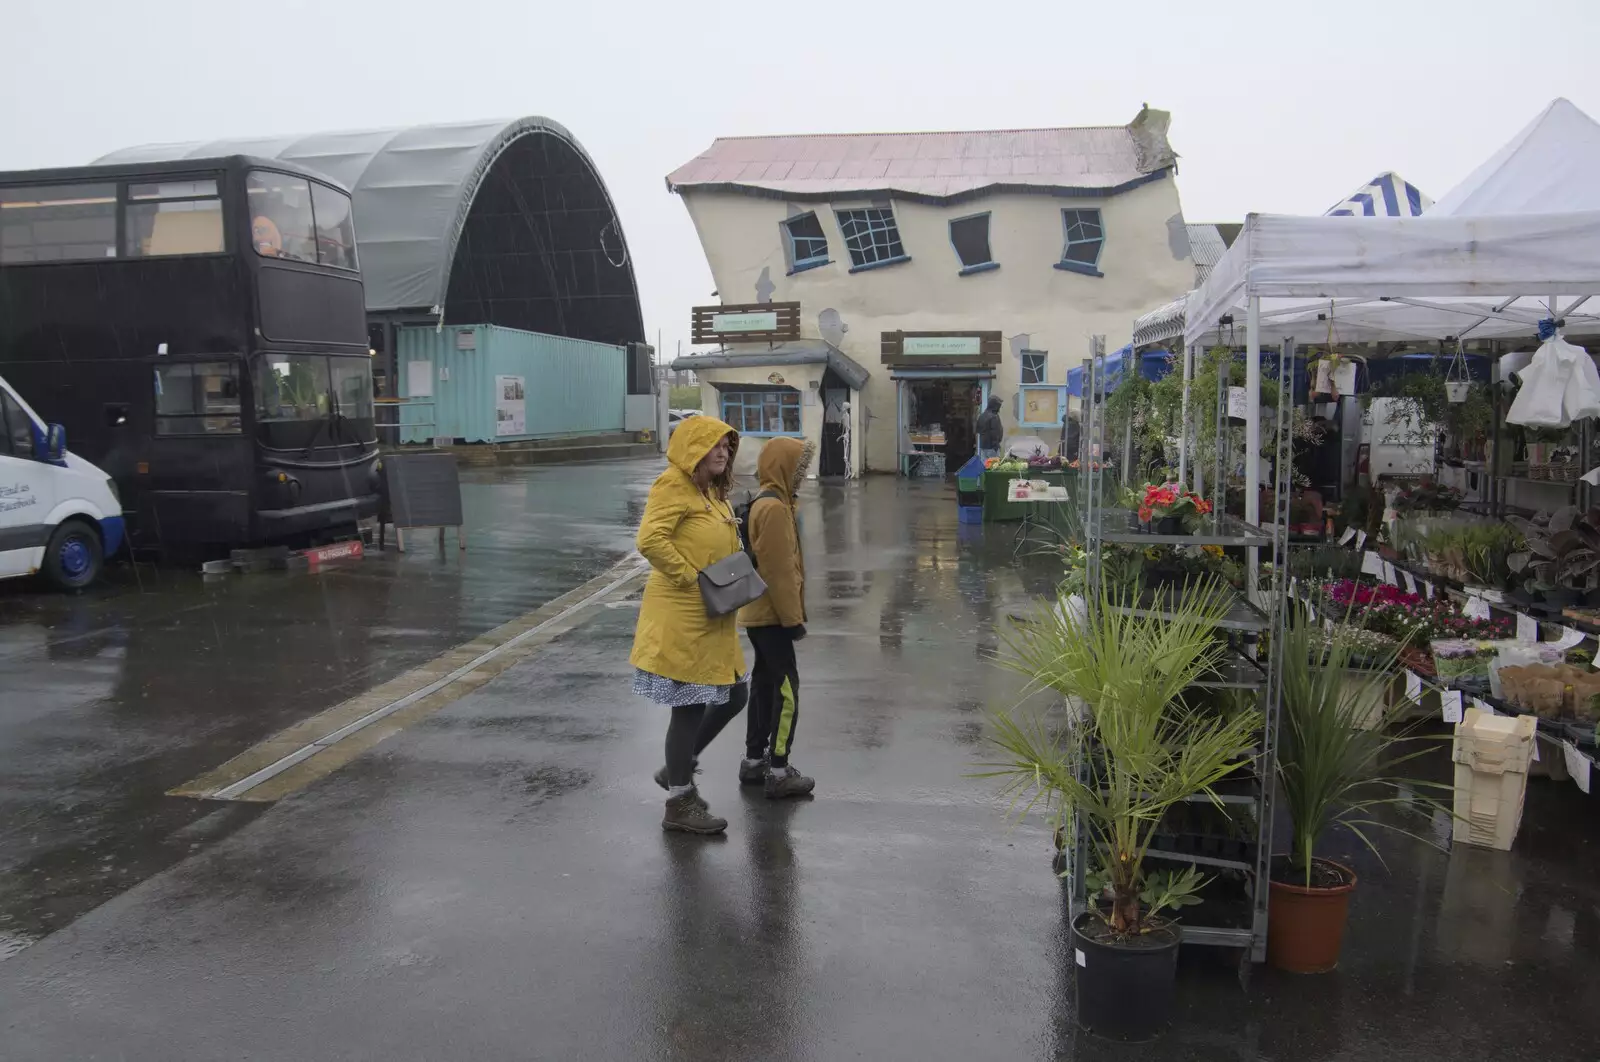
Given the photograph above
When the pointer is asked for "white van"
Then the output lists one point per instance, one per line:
(59, 514)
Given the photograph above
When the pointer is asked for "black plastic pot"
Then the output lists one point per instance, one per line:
(1562, 597)
(1125, 992)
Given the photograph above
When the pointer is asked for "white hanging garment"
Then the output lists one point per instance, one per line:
(1559, 386)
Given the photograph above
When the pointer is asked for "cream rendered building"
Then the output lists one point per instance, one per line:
(931, 271)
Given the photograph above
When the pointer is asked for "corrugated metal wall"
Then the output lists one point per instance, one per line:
(572, 387)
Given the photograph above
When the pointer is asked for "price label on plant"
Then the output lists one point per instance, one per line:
(1327, 625)
(1569, 638)
(1577, 765)
(1371, 564)
(1427, 589)
(1349, 533)
(1389, 574)
(1484, 706)
(1476, 607)
(1077, 955)
(1311, 611)
(1527, 629)
(1450, 703)
(1361, 540)
(1294, 587)
(1413, 686)
(1411, 584)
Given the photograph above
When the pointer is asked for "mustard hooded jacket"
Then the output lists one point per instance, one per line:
(775, 536)
(684, 531)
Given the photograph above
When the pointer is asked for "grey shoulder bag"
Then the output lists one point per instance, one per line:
(730, 584)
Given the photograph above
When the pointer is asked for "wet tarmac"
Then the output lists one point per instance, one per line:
(493, 882)
(110, 698)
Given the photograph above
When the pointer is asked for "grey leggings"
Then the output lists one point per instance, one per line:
(693, 727)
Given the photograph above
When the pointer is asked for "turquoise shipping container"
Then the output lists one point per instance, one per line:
(483, 383)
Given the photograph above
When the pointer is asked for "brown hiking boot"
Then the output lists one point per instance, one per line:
(661, 780)
(785, 782)
(753, 772)
(688, 814)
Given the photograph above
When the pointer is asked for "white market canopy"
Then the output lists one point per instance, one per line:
(1522, 230)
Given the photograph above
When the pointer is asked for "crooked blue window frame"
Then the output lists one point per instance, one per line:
(889, 250)
(988, 263)
(1075, 218)
(736, 402)
(799, 263)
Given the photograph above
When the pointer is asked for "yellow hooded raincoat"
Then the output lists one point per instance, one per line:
(684, 531)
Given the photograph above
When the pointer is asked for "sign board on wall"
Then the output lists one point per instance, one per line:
(942, 346)
(764, 321)
(918, 349)
(740, 322)
(467, 339)
(510, 406)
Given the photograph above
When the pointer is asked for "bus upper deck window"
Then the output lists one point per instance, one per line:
(281, 219)
(173, 217)
(58, 223)
(336, 231)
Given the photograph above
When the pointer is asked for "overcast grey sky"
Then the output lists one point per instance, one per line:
(1277, 105)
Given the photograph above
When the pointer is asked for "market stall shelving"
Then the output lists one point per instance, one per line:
(1252, 796)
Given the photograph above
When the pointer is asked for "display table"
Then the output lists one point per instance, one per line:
(998, 506)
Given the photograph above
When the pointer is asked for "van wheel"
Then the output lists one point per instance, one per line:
(74, 557)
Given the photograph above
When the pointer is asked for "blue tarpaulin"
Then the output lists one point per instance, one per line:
(1153, 365)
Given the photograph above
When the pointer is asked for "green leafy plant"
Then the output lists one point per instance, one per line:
(1336, 764)
(1141, 748)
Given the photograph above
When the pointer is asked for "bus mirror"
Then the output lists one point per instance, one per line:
(55, 443)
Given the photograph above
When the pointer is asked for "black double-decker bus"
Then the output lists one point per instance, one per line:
(198, 327)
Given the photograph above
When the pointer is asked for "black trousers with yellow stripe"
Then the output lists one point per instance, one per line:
(774, 696)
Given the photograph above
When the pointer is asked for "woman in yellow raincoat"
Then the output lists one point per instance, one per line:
(682, 657)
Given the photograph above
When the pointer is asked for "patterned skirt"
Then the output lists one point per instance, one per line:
(673, 693)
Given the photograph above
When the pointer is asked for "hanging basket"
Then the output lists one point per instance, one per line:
(1456, 390)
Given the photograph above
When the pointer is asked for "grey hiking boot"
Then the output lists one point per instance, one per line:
(661, 780)
(688, 814)
(785, 782)
(753, 772)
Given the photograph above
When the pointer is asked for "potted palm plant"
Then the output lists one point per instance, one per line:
(1130, 748)
(1334, 768)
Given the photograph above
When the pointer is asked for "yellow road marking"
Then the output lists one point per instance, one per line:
(321, 744)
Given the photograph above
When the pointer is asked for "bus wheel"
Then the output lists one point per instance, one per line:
(74, 557)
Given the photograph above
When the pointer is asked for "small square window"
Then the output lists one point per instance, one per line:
(971, 239)
(871, 236)
(808, 245)
(1084, 238)
(1033, 366)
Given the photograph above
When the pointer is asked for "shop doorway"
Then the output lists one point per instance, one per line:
(941, 424)
(832, 461)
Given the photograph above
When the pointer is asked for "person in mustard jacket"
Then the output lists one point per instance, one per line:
(776, 620)
(683, 658)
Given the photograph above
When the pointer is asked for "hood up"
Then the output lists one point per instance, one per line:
(692, 439)
(782, 464)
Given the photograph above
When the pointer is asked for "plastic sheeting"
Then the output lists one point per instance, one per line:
(1153, 365)
(1560, 385)
(412, 189)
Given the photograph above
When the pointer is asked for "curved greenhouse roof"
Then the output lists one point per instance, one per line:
(494, 222)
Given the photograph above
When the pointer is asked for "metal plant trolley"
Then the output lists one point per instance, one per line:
(1262, 609)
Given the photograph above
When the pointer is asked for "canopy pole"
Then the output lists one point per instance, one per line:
(1252, 413)
(1183, 422)
(1252, 436)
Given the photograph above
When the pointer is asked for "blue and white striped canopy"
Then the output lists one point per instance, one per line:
(1387, 195)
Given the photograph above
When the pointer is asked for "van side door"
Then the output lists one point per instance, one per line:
(27, 492)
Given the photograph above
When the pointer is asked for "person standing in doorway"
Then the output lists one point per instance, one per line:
(683, 657)
(775, 621)
(991, 432)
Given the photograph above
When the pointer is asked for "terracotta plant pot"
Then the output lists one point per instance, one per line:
(1305, 927)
